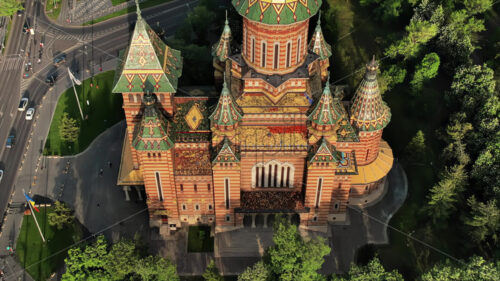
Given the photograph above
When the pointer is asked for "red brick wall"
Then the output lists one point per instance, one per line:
(220, 173)
(325, 203)
(191, 197)
(366, 149)
(273, 34)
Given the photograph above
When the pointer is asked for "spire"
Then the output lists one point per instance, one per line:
(226, 153)
(138, 10)
(227, 112)
(221, 50)
(152, 134)
(368, 110)
(318, 44)
(328, 110)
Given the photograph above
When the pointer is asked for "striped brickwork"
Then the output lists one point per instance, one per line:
(221, 172)
(319, 200)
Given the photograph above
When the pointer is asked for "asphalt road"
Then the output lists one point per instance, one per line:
(103, 41)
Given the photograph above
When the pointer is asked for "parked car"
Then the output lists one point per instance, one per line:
(51, 79)
(29, 113)
(60, 59)
(27, 69)
(23, 104)
(1, 175)
(10, 141)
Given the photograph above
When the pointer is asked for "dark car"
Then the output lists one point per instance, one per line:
(60, 59)
(26, 26)
(10, 141)
(27, 69)
(51, 79)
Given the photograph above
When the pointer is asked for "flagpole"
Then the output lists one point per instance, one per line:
(71, 77)
(36, 222)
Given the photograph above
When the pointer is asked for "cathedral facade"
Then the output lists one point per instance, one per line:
(277, 139)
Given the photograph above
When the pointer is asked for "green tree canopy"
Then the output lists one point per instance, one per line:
(416, 148)
(258, 272)
(391, 77)
(477, 6)
(373, 271)
(10, 7)
(419, 33)
(484, 220)
(424, 71)
(477, 269)
(68, 129)
(61, 216)
(212, 273)
(154, 268)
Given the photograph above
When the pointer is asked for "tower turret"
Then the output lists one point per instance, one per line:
(227, 114)
(319, 46)
(221, 52)
(327, 112)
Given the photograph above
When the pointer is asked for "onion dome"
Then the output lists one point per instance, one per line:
(327, 112)
(277, 11)
(226, 114)
(324, 153)
(227, 153)
(152, 134)
(148, 63)
(318, 44)
(222, 48)
(368, 111)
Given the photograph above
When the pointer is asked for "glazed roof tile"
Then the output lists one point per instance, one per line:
(222, 49)
(227, 153)
(318, 44)
(227, 112)
(277, 11)
(152, 133)
(328, 110)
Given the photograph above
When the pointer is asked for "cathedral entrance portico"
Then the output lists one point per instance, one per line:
(266, 220)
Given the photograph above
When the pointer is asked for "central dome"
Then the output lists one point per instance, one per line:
(277, 11)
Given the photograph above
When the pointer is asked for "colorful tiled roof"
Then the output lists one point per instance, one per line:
(277, 11)
(227, 112)
(345, 131)
(318, 44)
(368, 111)
(221, 50)
(324, 153)
(149, 64)
(328, 110)
(226, 154)
(152, 134)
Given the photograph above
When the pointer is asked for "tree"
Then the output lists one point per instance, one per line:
(484, 220)
(61, 216)
(444, 195)
(68, 129)
(373, 271)
(391, 77)
(212, 273)
(291, 258)
(419, 33)
(10, 7)
(154, 268)
(88, 263)
(456, 131)
(477, 6)
(426, 70)
(416, 148)
(486, 168)
(258, 272)
(477, 269)
(122, 259)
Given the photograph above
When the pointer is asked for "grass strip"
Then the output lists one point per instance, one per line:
(53, 8)
(144, 5)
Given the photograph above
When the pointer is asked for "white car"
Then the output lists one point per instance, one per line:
(1, 175)
(29, 113)
(23, 104)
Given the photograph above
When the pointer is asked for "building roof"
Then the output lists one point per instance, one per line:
(148, 63)
(227, 153)
(318, 44)
(190, 122)
(227, 112)
(323, 153)
(127, 175)
(221, 50)
(328, 111)
(277, 11)
(152, 134)
(377, 169)
(368, 111)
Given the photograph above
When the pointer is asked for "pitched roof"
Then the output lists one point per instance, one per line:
(152, 134)
(318, 44)
(277, 11)
(227, 112)
(368, 111)
(221, 50)
(324, 153)
(226, 154)
(328, 110)
(149, 64)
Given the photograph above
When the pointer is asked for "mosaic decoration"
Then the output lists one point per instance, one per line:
(221, 50)
(192, 162)
(277, 11)
(324, 153)
(318, 44)
(272, 200)
(148, 64)
(226, 154)
(328, 111)
(346, 164)
(368, 111)
(345, 132)
(227, 112)
(194, 117)
(261, 137)
(152, 133)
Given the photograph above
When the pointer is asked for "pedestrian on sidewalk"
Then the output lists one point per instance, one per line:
(100, 172)
(110, 164)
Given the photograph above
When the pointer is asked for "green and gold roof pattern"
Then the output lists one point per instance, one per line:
(152, 134)
(345, 131)
(368, 111)
(277, 11)
(318, 44)
(227, 112)
(148, 64)
(328, 111)
(226, 153)
(324, 153)
(221, 50)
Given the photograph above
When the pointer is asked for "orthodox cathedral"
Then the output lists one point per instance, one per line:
(277, 139)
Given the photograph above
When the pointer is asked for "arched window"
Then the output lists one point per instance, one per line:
(263, 59)
(299, 44)
(130, 98)
(253, 50)
(272, 174)
(276, 56)
(288, 54)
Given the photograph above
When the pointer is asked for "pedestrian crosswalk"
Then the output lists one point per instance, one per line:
(9, 64)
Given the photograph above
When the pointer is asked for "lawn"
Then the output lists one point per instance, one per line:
(144, 5)
(199, 239)
(118, 2)
(42, 259)
(103, 111)
(53, 8)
